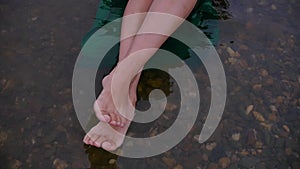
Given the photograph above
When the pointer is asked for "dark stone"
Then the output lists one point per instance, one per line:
(248, 162)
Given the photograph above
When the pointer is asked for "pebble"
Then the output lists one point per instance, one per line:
(259, 144)
(258, 116)
(249, 109)
(3, 137)
(169, 161)
(59, 164)
(112, 161)
(273, 108)
(266, 125)
(211, 146)
(178, 167)
(16, 165)
(244, 152)
(288, 151)
(249, 10)
(196, 137)
(280, 99)
(249, 162)
(273, 7)
(257, 86)
(272, 117)
(264, 72)
(236, 136)
(224, 162)
(34, 18)
(231, 52)
(232, 60)
(251, 137)
(213, 166)
(204, 157)
(171, 107)
(286, 128)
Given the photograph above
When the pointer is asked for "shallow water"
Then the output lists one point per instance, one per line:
(259, 47)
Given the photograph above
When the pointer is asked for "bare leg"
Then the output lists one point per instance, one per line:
(103, 106)
(103, 135)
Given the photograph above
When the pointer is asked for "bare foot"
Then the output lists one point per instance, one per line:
(106, 136)
(104, 106)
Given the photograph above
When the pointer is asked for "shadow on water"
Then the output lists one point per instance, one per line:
(100, 159)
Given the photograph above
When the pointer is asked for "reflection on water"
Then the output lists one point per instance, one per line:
(100, 159)
(259, 46)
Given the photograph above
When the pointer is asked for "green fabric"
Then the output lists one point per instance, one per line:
(204, 16)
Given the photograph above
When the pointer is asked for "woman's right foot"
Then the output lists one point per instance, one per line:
(104, 105)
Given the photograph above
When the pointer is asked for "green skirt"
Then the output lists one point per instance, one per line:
(204, 16)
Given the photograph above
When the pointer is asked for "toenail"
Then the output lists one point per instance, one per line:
(106, 118)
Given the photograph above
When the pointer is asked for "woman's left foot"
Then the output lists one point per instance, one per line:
(106, 136)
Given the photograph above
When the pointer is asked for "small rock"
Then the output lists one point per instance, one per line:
(258, 116)
(249, 109)
(244, 47)
(244, 152)
(273, 108)
(266, 125)
(34, 18)
(259, 145)
(288, 151)
(273, 7)
(260, 166)
(236, 136)
(213, 166)
(60, 164)
(272, 117)
(178, 167)
(8, 84)
(196, 137)
(169, 161)
(251, 137)
(205, 157)
(269, 81)
(257, 86)
(249, 162)
(171, 107)
(112, 161)
(264, 72)
(224, 162)
(232, 60)
(211, 146)
(249, 10)
(16, 165)
(231, 52)
(280, 99)
(3, 137)
(286, 128)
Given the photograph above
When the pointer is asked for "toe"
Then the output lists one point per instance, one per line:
(107, 118)
(109, 146)
(86, 139)
(99, 141)
(101, 115)
(94, 137)
(113, 119)
(118, 120)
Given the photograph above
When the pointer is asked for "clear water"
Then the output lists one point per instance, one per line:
(40, 41)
